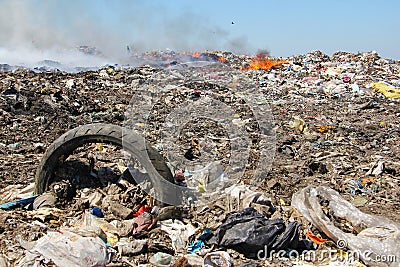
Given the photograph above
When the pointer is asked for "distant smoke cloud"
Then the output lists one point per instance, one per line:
(53, 29)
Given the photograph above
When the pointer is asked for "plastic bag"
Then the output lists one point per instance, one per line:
(240, 197)
(378, 237)
(92, 224)
(217, 259)
(69, 249)
(161, 259)
(178, 232)
(250, 233)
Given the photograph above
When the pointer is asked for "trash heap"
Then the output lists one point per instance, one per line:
(333, 183)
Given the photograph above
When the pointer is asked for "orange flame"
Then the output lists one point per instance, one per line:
(261, 62)
(222, 59)
(196, 54)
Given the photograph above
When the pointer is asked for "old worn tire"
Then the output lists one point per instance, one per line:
(150, 159)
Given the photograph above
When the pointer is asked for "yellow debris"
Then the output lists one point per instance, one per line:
(121, 166)
(99, 146)
(387, 90)
(324, 129)
(298, 124)
(201, 188)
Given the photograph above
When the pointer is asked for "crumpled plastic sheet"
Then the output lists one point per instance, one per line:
(241, 197)
(178, 232)
(379, 237)
(249, 232)
(69, 249)
(16, 191)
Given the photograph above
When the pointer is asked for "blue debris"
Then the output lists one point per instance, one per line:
(18, 203)
(356, 185)
(97, 212)
(199, 244)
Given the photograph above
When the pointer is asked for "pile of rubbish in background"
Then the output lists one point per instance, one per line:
(333, 185)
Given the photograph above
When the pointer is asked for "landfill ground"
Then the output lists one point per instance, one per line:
(333, 127)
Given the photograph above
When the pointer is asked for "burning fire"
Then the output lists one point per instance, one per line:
(206, 56)
(262, 62)
(222, 59)
(196, 54)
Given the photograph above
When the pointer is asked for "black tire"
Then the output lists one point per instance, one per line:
(133, 143)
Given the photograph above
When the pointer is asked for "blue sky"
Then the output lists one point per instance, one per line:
(283, 27)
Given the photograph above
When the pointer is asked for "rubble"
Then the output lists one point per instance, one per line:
(336, 122)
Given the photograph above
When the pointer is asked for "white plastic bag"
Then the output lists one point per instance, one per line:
(178, 232)
(69, 249)
(378, 239)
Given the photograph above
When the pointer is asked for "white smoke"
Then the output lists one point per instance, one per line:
(33, 30)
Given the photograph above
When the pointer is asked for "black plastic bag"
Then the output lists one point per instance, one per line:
(250, 233)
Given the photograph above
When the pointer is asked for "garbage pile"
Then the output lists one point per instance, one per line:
(333, 183)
